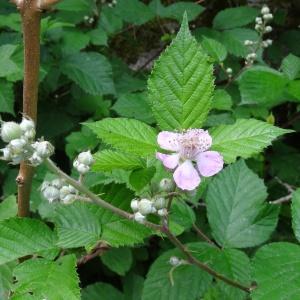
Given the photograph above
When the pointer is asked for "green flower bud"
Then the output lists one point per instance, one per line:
(10, 131)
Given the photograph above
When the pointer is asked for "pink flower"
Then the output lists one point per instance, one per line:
(190, 159)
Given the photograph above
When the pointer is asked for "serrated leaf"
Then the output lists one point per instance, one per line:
(234, 17)
(244, 138)
(21, 237)
(296, 213)
(190, 282)
(221, 100)
(6, 97)
(276, 270)
(291, 66)
(134, 105)
(77, 226)
(214, 48)
(8, 208)
(7, 66)
(6, 280)
(140, 178)
(128, 135)
(263, 86)
(181, 84)
(91, 71)
(119, 260)
(101, 290)
(107, 160)
(117, 231)
(47, 279)
(236, 208)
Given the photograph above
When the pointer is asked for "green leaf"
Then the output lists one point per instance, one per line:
(133, 286)
(222, 100)
(244, 138)
(22, 237)
(47, 279)
(214, 48)
(133, 11)
(181, 84)
(134, 105)
(276, 269)
(236, 208)
(140, 178)
(6, 280)
(234, 17)
(293, 89)
(117, 231)
(8, 208)
(119, 260)
(291, 66)
(263, 86)
(128, 135)
(233, 40)
(296, 213)
(7, 66)
(176, 10)
(101, 290)
(77, 226)
(6, 97)
(98, 37)
(190, 282)
(91, 71)
(108, 160)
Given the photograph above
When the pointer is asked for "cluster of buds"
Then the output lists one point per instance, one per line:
(175, 261)
(262, 27)
(144, 207)
(229, 72)
(110, 4)
(57, 190)
(20, 143)
(83, 162)
(89, 20)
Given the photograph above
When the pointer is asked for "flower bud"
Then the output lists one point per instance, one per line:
(166, 185)
(6, 153)
(268, 29)
(17, 145)
(139, 217)
(269, 41)
(258, 27)
(30, 134)
(82, 169)
(174, 261)
(258, 20)
(43, 149)
(85, 158)
(27, 124)
(134, 205)
(51, 193)
(268, 17)
(58, 183)
(10, 131)
(160, 203)
(248, 43)
(145, 206)
(229, 71)
(265, 10)
(162, 212)
(35, 160)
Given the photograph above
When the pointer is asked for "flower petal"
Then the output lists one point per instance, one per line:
(168, 140)
(186, 176)
(209, 163)
(170, 161)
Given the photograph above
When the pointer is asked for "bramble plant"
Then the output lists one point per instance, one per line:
(170, 177)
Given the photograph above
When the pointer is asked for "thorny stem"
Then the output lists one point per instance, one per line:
(163, 229)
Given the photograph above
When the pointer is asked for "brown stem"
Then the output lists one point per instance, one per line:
(100, 249)
(31, 17)
(203, 235)
(191, 259)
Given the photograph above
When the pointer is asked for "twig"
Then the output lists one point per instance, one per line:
(281, 200)
(204, 236)
(286, 185)
(94, 198)
(191, 259)
(100, 249)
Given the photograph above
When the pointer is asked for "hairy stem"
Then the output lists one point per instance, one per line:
(163, 229)
(31, 17)
(202, 235)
